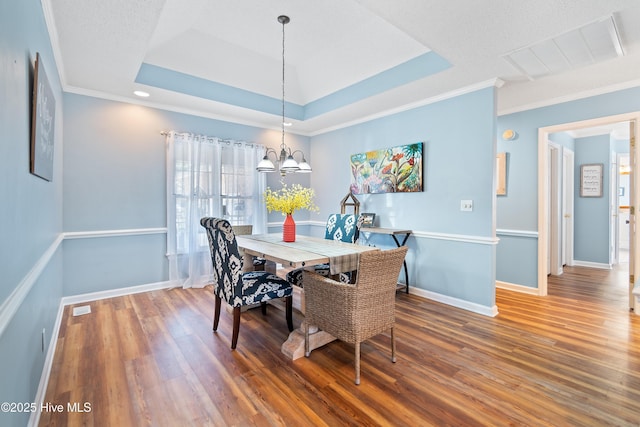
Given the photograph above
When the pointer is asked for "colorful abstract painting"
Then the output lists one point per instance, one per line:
(389, 170)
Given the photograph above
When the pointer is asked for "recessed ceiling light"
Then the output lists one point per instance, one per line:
(141, 93)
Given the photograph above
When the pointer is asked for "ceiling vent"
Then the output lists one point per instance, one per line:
(587, 45)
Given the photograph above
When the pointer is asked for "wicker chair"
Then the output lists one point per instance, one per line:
(240, 289)
(356, 312)
(241, 230)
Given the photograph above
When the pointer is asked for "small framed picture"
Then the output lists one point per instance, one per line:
(591, 180)
(368, 219)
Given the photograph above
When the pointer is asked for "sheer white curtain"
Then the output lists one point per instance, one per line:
(208, 176)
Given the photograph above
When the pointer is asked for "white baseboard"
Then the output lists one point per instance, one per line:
(599, 265)
(34, 419)
(95, 296)
(455, 302)
(517, 288)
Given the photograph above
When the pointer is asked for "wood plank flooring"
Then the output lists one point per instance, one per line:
(569, 359)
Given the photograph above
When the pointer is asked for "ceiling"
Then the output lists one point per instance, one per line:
(346, 60)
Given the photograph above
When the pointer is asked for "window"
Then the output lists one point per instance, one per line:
(207, 176)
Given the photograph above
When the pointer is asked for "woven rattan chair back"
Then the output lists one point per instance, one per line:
(355, 313)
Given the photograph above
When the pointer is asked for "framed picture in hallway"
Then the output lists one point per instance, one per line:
(591, 180)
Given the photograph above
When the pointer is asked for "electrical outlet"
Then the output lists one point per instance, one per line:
(466, 205)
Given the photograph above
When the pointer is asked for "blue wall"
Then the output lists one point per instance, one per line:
(518, 210)
(591, 214)
(115, 179)
(111, 145)
(30, 212)
(452, 252)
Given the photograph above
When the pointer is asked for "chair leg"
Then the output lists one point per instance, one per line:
(393, 347)
(236, 327)
(263, 306)
(357, 345)
(289, 312)
(216, 313)
(305, 326)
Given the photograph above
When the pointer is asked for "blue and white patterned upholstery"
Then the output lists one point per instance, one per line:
(230, 283)
(342, 227)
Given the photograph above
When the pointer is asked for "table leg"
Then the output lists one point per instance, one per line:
(247, 262)
(293, 348)
(404, 263)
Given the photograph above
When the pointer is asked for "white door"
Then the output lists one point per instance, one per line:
(567, 206)
(613, 213)
(554, 223)
(632, 218)
(623, 206)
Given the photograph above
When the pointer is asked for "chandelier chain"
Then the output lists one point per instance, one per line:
(284, 21)
(285, 159)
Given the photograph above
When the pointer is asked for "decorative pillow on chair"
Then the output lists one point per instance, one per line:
(343, 227)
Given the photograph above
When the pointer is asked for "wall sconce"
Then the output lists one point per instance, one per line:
(509, 135)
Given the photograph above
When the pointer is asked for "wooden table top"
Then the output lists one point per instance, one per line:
(305, 251)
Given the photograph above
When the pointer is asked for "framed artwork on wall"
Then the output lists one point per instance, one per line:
(388, 170)
(591, 180)
(42, 124)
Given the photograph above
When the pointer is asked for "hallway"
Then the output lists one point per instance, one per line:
(608, 288)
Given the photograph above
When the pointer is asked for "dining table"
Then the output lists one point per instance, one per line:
(305, 251)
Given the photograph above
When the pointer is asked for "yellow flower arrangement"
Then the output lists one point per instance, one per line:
(289, 199)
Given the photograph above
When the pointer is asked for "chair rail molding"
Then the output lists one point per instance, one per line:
(517, 233)
(114, 233)
(484, 240)
(12, 304)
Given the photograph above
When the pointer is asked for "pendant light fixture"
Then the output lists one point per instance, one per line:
(286, 162)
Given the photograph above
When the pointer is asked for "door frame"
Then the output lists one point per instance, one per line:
(543, 190)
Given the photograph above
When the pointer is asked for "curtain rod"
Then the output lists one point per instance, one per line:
(227, 141)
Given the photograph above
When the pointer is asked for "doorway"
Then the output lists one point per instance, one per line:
(560, 180)
(551, 251)
(622, 205)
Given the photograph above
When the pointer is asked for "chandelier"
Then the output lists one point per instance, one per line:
(286, 162)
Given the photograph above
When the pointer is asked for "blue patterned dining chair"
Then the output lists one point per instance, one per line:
(235, 287)
(342, 227)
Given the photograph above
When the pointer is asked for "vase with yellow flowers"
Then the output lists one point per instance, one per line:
(287, 200)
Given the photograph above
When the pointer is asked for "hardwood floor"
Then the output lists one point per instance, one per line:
(572, 358)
